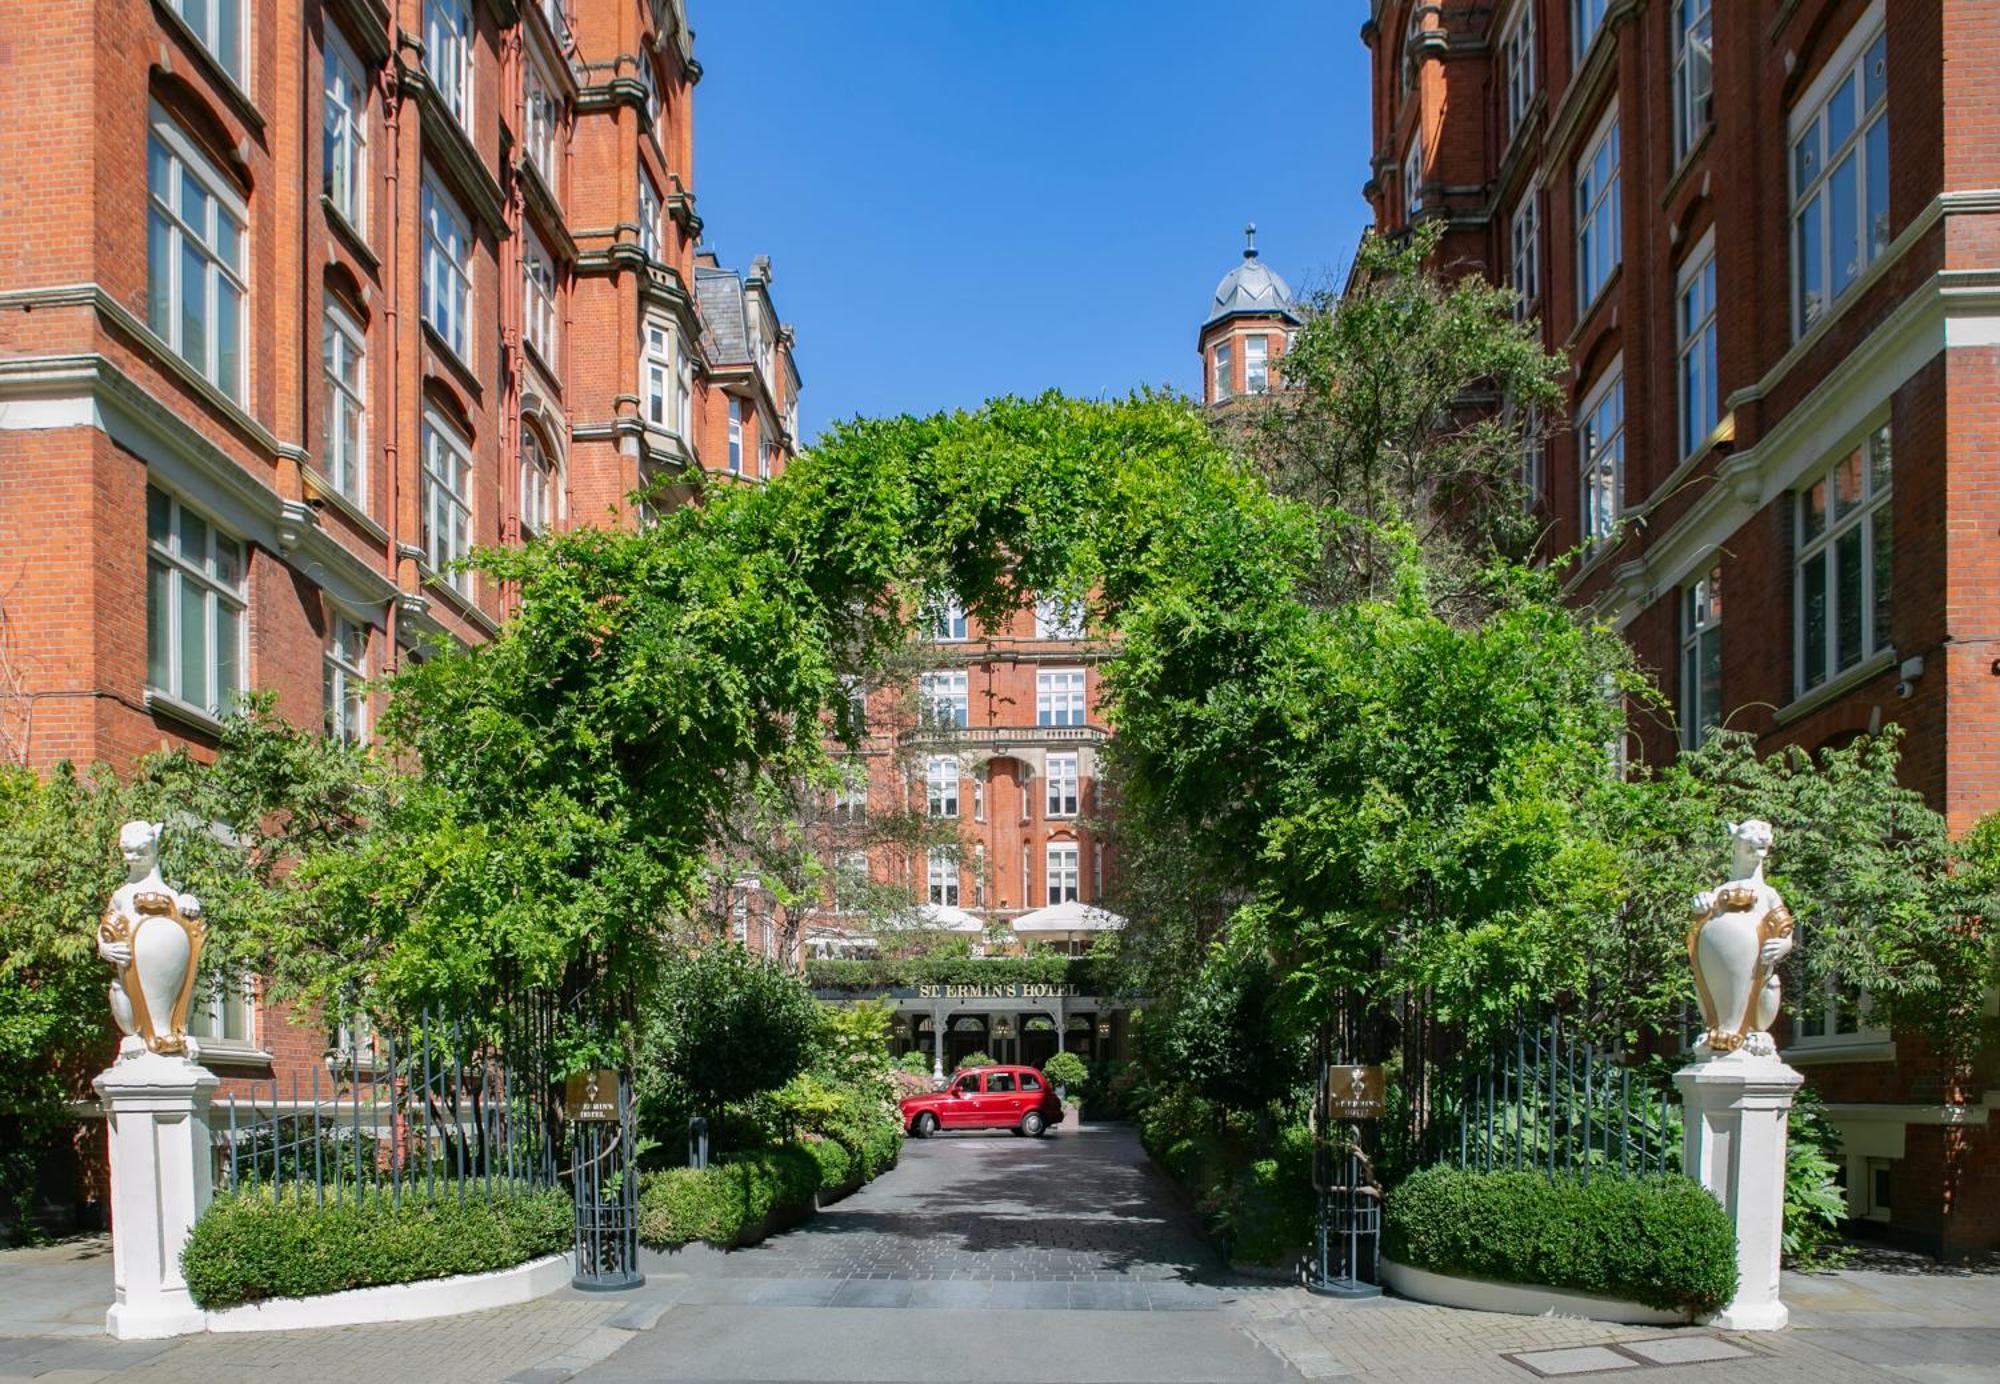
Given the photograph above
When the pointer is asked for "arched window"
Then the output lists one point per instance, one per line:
(537, 485)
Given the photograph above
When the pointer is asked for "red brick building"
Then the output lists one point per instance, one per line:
(303, 301)
(1765, 234)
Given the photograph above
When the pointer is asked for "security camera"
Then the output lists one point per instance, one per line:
(1906, 689)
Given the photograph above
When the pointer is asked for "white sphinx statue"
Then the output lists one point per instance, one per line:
(1741, 931)
(152, 936)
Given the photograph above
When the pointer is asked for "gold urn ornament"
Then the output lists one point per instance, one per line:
(152, 936)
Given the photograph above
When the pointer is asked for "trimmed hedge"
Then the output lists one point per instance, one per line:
(1660, 1240)
(837, 1167)
(736, 1200)
(279, 1242)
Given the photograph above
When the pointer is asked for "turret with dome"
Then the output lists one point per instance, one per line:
(1248, 328)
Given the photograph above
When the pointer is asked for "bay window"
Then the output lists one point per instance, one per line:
(1700, 400)
(344, 363)
(1840, 173)
(1694, 77)
(345, 677)
(344, 139)
(1701, 658)
(448, 55)
(196, 257)
(1598, 250)
(1413, 177)
(1843, 579)
(446, 285)
(444, 501)
(649, 216)
(1600, 439)
(1224, 372)
(1257, 365)
(196, 589)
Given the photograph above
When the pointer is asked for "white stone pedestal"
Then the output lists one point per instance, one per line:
(156, 1109)
(1735, 1110)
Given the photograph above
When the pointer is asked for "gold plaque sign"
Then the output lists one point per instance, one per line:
(592, 1097)
(1354, 1093)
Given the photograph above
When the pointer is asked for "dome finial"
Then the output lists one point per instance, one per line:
(1250, 241)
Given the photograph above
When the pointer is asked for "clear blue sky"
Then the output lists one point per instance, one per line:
(965, 198)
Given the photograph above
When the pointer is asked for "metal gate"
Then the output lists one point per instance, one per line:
(1347, 1231)
(605, 1181)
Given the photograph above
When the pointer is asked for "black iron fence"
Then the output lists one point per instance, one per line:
(392, 1113)
(1555, 1104)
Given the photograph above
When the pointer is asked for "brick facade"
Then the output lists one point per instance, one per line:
(1900, 334)
(142, 137)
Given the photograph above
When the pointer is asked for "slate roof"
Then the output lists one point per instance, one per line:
(725, 312)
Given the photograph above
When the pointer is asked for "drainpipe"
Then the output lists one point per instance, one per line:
(392, 319)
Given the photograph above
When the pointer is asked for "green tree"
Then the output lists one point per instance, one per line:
(1409, 403)
(723, 1025)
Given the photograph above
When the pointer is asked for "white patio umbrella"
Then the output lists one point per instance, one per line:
(1068, 918)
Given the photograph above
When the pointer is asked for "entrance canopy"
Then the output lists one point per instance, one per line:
(1067, 919)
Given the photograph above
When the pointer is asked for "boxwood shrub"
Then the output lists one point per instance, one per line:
(734, 1201)
(1660, 1240)
(837, 1167)
(280, 1242)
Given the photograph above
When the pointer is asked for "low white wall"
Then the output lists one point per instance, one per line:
(400, 1302)
(1524, 1299)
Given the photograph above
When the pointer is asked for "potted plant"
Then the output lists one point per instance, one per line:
(1068, 1074)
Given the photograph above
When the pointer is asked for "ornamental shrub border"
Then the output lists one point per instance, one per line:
(740, 1198)
(281, 1242)
(1660, 1240)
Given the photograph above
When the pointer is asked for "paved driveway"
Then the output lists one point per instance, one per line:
(981, 1257)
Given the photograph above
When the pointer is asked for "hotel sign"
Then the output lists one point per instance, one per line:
(592, 1097)
(1354, 1093)
(1015, 990)
(1018, 990)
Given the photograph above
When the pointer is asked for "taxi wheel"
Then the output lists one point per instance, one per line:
(1032, 1124)
(925, 1126)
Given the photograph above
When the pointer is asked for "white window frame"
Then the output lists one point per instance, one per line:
(539, 317)
(1524, 253)
(658, 350)
(735, 454)
(1693, 28)
(1223, 371)
(1701, 647)
(1870, 518)
(449, 37)
(1063, 872)
(346, 678)
(948, 623)
(850, 794)
(172, 237)
(941, 876)
(1413, 176)
(1700, 395)
(345, 138)
(649, 215)
(1056, 618)
(1599, 220)
(1815, 157)
(1063, 772)
(1533, 466)
(1600, 447)
(1060, 698)
(344, 350)
(444, 501)
(1819, 1024)
(1586, 21)
(222, 28)
(216, 1002)
(941, 785)
(945, 698)
(1517, 65)
(447, 269)
(542, 116)
(1256, 364)
(538, 484)
(174, 577)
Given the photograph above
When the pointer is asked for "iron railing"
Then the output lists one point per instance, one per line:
(1555, 1104)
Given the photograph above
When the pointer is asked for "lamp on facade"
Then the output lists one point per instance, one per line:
(1003, 1027)
(1104, 1028)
